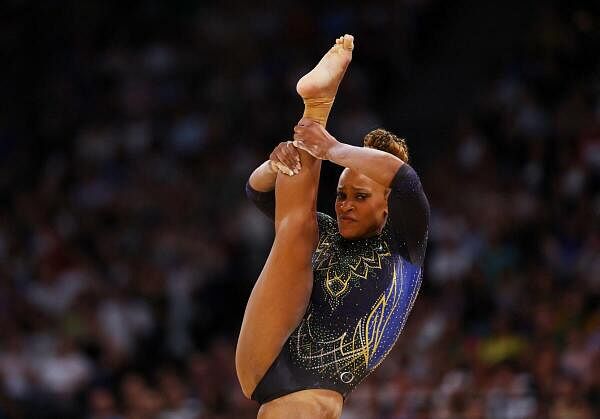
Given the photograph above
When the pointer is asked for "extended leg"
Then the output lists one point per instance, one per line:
(319, 87)
(282, 291)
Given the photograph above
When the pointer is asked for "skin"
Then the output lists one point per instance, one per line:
(360, 206)
(283, 159)
(282, 291)
(305, 404)
(375, 164)
(363, 188)
(277, 303)
(361, 202)
(361, 209)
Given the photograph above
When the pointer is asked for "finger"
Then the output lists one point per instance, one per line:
(287, 159)
(283, 160)
(284, 169)
(313, 151)
(294, 152)
(279, 167)
(301, 145)
(273, 155)
(273, 166)
(291, 157)
(295, 156)
(281, 157)
(302, 126)
(304, 122)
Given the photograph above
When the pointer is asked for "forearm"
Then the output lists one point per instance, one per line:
(375, 164)
(263, 178)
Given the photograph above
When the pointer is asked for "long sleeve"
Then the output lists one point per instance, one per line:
(409, 213)
(264, 201)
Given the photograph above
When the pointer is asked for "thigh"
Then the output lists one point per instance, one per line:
(281, 294)
(276, 306)
(305, 404)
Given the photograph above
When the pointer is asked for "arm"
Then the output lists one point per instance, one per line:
(407, 203)
(375, 164)
(264, 201)
(284, 158)
(263, 178)
(409, 213)
(260, 188)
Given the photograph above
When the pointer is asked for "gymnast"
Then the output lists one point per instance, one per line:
(333, 295)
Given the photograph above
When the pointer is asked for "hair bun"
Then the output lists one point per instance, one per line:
(384, 140)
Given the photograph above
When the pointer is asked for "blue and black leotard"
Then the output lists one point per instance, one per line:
(362, 294)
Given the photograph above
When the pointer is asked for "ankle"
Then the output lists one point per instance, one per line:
(318, 109)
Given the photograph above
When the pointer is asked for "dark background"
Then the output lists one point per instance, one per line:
(128, 250)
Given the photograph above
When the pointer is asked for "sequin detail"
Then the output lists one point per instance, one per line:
(361, 299)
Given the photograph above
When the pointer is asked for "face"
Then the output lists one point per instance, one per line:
(360, 206)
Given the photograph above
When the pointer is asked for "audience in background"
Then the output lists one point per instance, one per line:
(127, 249)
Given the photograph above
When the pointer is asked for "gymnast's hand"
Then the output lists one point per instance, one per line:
(285, 159)
(314, 139)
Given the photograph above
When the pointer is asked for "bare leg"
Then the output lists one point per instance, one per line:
(306, 404)
(282, 291)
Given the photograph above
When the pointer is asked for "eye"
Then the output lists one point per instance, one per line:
(361, 196)
(340, 195)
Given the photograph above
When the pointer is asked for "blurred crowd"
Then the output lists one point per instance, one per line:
(127, 248)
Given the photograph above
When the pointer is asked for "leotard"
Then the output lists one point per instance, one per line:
(362, 294)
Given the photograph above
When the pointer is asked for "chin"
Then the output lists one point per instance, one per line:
(349, 234)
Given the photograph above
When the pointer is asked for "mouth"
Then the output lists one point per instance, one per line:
(347, 219)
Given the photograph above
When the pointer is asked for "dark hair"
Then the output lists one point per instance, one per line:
(383, 140)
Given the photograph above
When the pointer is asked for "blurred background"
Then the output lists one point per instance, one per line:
(128, 249)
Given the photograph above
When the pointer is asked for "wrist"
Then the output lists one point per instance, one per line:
(335, 151)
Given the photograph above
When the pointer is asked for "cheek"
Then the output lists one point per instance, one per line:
(376, 213)
(368, 216)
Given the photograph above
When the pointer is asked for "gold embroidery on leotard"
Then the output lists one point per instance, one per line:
(338, 273)
(354, 354)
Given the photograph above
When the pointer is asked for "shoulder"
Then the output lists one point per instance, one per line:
(406, 191)
(405, 177)
(326, 222)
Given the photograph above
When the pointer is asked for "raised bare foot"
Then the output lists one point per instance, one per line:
(323, 80)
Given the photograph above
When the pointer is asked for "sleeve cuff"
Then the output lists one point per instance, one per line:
(258, 196)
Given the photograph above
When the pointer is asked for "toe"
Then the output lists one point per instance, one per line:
(348, 42)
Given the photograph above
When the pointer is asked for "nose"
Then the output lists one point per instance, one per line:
(346, 206)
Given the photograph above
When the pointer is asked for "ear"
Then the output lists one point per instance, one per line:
(386, 194)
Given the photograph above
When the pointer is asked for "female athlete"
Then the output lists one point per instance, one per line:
(333, 295)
